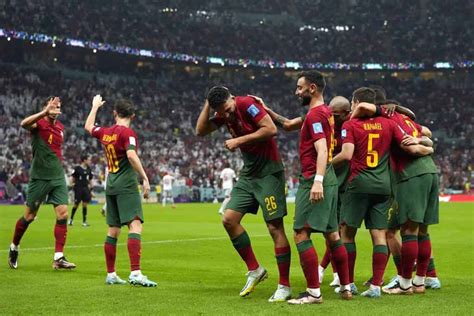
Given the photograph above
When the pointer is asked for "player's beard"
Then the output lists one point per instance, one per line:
(305, 100)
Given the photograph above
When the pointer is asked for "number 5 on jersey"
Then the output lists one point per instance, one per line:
(372, 155)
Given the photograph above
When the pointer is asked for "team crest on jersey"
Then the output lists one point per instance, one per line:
(253, 110)
(344, 133)
(317, 128)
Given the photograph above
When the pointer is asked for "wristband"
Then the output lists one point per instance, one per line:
(318, 178)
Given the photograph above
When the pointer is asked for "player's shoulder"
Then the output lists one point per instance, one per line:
(59, 125)
(244, 101)
(249, 105)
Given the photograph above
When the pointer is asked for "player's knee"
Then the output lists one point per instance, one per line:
(300, 235)
(114, 232)
(228, 222)
(391, 234)
(61, 212)
(30, 216)
(135, 226)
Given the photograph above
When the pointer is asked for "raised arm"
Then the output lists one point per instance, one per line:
(97, 102)
(51, 108)
(266, 130)
(364, 109)
(204, 126)
(137, 166)
(286, 123)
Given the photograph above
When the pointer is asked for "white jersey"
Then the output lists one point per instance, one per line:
(168, 182)
(227, 176)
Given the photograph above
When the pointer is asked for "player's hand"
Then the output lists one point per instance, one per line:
(53, 107)
(390, 108)
(410, 140)
(232, 144)
(259, 100)
(146, 188)
(317, 192)
(97, 101)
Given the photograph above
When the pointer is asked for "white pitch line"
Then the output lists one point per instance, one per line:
(167, 241)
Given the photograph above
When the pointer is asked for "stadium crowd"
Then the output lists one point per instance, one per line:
(359, 31)
(167, 113)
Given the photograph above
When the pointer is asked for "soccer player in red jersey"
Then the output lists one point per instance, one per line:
(261, 181)
(47, 180)
(316, 198)
(367, 142)
(416, 177)
(122, 196)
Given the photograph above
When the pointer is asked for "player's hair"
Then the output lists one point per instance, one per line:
(380, 94)
(364, 94)
(314, 76)
(84, 157)
(217, 96)
(392, 101)
(124, 108)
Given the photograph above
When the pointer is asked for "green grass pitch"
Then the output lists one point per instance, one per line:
(187, 252)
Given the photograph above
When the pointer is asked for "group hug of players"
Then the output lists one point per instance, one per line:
(360, 162)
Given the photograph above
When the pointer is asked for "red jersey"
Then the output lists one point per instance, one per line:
(372, 139)
(403, 164)
(318, 124)
(116, 140)
(47, 141)
(260, 159)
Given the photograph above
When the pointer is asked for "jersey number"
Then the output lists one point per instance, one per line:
(372, 155)
(50, 139)
(111, 158)
(271, 204)
(415, 131)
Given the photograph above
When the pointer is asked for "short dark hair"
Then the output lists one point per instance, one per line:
(124, 108)
(364, 94)
(217, 96)
(380, 94)
(84, 157)
(314, 76)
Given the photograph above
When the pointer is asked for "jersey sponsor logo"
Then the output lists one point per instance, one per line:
(132, 141)
(344, 133)
(253, 110)
(317, 128)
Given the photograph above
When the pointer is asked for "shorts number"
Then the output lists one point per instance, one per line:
(111, 158)
(270, 203)
(372, 155)
(415, 131)
(50, 139)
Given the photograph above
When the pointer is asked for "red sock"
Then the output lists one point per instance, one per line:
(244, 248)
(20, 228)
(351, 259)
(283, 256)
(327, 257)
(424, 254)
(110, 249)
(309, 263)
(134, 245)
(60, 233)
(431, 269)
(379, 262)
(409, 254)
(341, 261)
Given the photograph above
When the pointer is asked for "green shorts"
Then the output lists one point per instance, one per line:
(319, 217)
(418, 199)
(393, 210)
(267, 192)
(370, 208)
(48, 191)
(123, 208)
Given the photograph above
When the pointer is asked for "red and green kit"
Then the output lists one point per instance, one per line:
(122, 196)
(417, 188)
(368, 190)
(46, 173)
(321, 216)
(261, 181)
